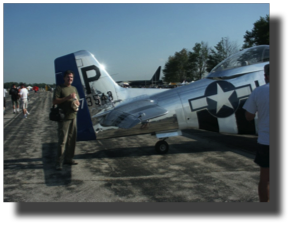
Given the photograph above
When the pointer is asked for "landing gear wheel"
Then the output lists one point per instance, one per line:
(162, 147)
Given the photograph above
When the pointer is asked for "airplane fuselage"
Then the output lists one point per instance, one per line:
(214, 105)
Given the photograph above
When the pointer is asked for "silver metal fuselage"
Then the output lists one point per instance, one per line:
(180, 116)
(218, 96)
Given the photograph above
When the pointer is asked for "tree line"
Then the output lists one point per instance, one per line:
(8, 85)
(193, 65)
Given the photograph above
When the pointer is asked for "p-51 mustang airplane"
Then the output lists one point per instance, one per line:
(214, 103)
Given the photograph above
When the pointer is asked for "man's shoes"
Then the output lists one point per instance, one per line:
(13, 112)
(25, 116)
(72, 162)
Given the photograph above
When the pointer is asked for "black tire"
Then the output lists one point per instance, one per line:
(162, 147)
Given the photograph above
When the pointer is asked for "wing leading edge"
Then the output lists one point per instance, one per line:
(129, 115)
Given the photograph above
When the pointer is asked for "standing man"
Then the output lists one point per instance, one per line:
(67, 130)
(23, 93)
(259, 102)
(4, 101)
(14, 98)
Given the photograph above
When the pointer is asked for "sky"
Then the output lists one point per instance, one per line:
(131, 40)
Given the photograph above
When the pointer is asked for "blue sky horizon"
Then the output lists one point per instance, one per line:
(131, 40)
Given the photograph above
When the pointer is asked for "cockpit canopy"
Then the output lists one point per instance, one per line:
(243, 59)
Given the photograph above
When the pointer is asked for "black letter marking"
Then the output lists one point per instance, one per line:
(92, 79)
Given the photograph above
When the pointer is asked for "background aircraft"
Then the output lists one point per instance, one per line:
(214, 103)
(142, 83)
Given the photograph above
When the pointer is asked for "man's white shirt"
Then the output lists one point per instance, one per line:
(259, 102)
(24, 93)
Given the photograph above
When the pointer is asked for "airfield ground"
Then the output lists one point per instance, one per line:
(200, 167)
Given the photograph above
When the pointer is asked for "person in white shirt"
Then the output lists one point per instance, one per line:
(4, 92)
(24, 98)
(258, 101)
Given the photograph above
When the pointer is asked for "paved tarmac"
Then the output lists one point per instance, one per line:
(200, 167)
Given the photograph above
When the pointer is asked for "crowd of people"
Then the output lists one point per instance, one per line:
(19, 99)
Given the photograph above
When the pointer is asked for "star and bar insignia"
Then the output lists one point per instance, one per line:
(221, 98)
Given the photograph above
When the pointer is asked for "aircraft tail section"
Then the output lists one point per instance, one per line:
(95, 78)
(156, 76)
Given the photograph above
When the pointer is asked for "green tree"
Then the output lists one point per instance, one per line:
(196, 66)
(175, 67)
(259, 34)
(8, 85)
(40, 85)
(222, 50)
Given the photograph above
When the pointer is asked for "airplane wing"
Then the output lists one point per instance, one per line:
(129, 115)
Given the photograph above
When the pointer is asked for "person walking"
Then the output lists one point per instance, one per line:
(4, 101)
(23, 93)
(14, 98)
(258, 101)
(64, 95)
